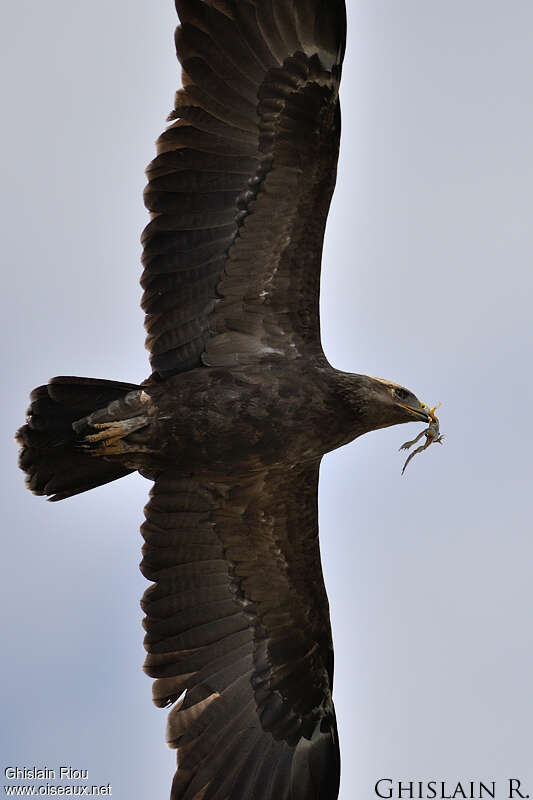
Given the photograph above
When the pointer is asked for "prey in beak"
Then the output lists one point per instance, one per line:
(432, 434)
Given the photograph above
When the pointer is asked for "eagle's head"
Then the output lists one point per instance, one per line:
(394, 404)
(381, 403)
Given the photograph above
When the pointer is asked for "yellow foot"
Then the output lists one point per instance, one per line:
(109, 439)
(107, 442)
(108, 431)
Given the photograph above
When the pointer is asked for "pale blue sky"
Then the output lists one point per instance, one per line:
(427, 281)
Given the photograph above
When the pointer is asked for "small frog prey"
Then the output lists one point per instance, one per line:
(432, 434)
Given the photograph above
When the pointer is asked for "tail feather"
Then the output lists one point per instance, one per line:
(50, 456)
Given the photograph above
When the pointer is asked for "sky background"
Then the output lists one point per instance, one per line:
(427, 281)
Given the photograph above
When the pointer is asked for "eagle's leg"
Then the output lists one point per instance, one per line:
(109, 439)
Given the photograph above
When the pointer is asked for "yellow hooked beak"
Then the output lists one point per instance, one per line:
(421, 413)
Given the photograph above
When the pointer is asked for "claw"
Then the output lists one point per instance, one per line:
(108, 441)
(108, 432)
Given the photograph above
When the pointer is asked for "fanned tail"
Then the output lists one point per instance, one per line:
(50, 454)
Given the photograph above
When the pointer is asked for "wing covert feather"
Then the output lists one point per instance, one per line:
(240, 189)
(238, 620)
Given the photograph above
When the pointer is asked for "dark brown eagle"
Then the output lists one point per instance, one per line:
(240, 407)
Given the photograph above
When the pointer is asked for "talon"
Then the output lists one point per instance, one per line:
(108, 441)
(108, 432)
(109, 447)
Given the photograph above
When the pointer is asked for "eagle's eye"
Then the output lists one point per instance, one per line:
(402, 394)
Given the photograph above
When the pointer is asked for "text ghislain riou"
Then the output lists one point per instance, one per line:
(46, 773)
(388, 788)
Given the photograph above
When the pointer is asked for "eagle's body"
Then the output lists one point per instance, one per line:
(243, 418)
(240, 407)
(235, 420)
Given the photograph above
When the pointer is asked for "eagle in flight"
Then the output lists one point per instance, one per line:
(240, 407)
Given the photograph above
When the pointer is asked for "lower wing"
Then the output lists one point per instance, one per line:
(238, 635)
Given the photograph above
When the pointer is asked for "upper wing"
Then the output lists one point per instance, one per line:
(238, 619)
(241, 186)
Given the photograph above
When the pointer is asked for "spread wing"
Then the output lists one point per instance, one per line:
(240, 189)
(238, 619)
